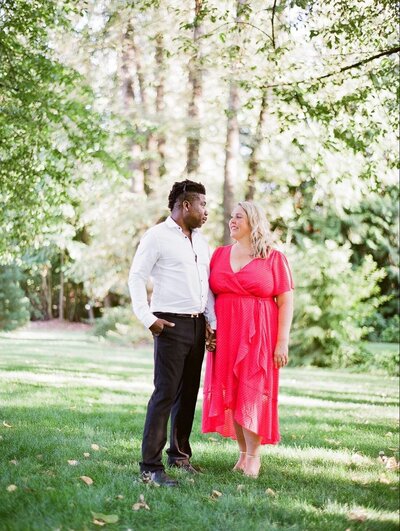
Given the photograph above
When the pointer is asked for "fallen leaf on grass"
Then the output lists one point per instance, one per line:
(357, 458)
(388, 434)
(103, 519)
(86, 454)
(87, 480)
(72, 462)
(216, 494)
(383, 479)
(95, 447)
(6, 425)
(39, 456)
(390, 462)
(119, 497)
(141, 504)
(12, 488)
(212, 439)
(357, 515)
(270, 492)
(239, 488)
(14, 462)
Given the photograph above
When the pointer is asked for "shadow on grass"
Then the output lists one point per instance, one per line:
(342, 397)
(44, 438)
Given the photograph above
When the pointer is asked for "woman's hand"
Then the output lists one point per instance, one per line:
(281, 355)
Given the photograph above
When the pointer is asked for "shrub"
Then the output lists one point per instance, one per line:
(14, 306)
(119, 323)
(383, 329)
(390, 333)
(381, 357)
(332, 300)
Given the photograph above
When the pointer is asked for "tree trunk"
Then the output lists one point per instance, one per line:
(61, 294)
(231, 159)
(139, 72)
(91, 313)
(46, 290)
(149, 163)
(254, 161)
(195, 81)
(107, 301)
(160, 90)
(150, 166)
(128, 91)
(128, 98)
(232, 144)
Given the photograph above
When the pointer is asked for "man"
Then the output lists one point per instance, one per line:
(181, 313)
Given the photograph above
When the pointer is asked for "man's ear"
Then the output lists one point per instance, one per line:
(186, 204)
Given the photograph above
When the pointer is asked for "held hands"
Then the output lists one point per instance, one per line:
(158, 326)
(281, 357)
(211, 338)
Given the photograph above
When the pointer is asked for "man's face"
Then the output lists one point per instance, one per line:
(196, 213)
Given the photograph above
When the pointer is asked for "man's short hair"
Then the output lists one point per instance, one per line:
(184, 190)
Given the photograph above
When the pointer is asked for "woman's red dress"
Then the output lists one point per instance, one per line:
(241, 381)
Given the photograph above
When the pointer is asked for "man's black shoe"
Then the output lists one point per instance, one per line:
(185, 466)
(160, 478)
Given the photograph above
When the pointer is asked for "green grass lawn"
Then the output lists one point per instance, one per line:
(62, 392)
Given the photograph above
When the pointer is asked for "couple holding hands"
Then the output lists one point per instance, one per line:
(239, 306)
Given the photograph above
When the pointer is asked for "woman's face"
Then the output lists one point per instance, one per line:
(239, 225)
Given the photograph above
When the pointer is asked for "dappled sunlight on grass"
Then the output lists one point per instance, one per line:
(304, 401)
(59, 380)
(60, 398)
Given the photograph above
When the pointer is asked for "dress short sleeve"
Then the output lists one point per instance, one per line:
(283, 280)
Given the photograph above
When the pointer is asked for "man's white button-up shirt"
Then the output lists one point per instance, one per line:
(179, 269)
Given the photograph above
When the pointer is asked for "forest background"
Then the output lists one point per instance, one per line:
(106, 103)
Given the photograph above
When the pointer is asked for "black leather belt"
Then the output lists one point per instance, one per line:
(184, 315)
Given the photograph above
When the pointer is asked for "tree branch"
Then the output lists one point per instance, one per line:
(312, 80)
(272, 23)
(236, 23)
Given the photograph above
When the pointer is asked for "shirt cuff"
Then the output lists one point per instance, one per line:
(149, 320)
(213, 324)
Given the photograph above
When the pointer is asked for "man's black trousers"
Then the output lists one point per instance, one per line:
(178, 357)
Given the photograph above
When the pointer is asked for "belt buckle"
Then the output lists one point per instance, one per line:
(194, 315)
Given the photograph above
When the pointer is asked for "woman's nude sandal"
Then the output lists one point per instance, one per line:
(240, 463)
(253, 459)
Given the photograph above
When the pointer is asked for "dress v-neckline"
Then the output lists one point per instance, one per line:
(230, 263)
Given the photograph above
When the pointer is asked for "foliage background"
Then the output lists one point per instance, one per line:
(291, 103)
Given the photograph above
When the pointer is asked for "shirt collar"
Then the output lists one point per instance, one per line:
(173, 225)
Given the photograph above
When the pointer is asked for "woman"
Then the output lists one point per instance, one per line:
(254, 306)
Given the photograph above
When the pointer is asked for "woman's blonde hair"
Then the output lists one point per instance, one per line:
(261, 237)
